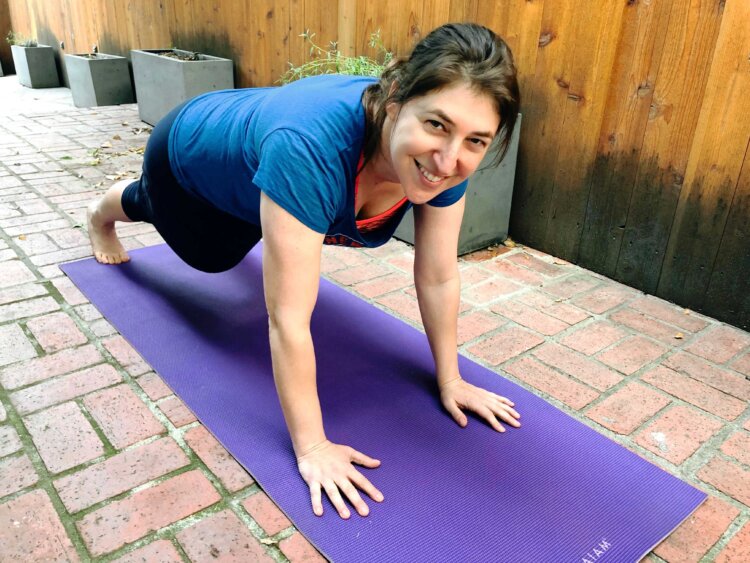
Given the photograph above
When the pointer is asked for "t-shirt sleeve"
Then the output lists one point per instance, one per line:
(296, 174)
(450, 196)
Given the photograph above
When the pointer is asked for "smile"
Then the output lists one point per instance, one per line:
(423, 171)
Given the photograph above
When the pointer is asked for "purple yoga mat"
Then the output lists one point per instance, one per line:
(553, 490)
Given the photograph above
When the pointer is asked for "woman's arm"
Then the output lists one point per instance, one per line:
(438, 290)
(291, 272)
(438, 284)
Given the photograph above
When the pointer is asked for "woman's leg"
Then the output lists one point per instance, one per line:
(102, 215)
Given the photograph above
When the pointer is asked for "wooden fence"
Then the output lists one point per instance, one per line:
(633, 158)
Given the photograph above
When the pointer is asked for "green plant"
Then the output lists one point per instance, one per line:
(14, 38)
(331, 61)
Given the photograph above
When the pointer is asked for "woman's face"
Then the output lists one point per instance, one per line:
(436, 141)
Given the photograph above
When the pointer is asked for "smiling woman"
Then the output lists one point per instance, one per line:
(331, 160)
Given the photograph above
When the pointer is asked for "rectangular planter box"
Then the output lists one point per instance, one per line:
(488, 199)
(35, 66)
(161, 83)
(99, 80)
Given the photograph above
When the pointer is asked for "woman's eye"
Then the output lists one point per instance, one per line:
(477, 142)
(434, 123)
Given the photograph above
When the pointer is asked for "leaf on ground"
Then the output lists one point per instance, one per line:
(679, 336)
(21, 237)
(106, 145)
(509, 243)
(117, 138)
(268, 541)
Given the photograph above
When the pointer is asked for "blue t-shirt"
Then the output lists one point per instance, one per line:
(300, 144)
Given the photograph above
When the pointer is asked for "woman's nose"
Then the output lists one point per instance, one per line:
(446, 160)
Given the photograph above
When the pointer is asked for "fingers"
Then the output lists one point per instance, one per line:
(317, 504)
(456, 413)
(507, 414)
(332, 491)
(362, 459)
(363, 483)
(353, 496)
(489, 416)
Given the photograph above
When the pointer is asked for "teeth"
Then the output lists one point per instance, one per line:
(427, 175)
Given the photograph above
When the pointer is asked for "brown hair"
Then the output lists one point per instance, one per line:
(453, 53)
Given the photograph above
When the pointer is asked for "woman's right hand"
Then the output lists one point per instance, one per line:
(329, 466)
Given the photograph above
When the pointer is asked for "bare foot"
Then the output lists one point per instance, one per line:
(104, 242)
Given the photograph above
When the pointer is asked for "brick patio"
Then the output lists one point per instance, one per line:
(99, 461)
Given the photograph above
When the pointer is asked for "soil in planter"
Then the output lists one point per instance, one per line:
(190, 56)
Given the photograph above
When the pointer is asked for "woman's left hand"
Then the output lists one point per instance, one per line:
(458, 394)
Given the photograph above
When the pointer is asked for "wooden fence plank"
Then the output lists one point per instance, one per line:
(675, 107)
(728, 295)
(579, 133)
(714, 165)
(544, 104)
(621, 137)
(519, 24)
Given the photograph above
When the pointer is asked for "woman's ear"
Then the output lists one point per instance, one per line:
(392, 108)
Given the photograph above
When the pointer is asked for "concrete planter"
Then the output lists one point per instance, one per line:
(35, 66)
(488, 200)
(163, 82)
(99, 80)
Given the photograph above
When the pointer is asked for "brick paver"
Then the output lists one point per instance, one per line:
(64, 388)
(63, 437)
(677, 433)
(137, 478)
(695, 392)
(122, 416)
(584, 369)
(699, 532)
(593, 337)
(120, 473)
(176, 411)
(266, 513)
(32, 530)
(738, 549)
(14, 345)
(720, 344)
(9, 441)
(632, 354)
(56, 332)
(16, 473)
(552, 382)
(505, 345)
(160, 550)
(48, 366)
(729, 477)
(628, 408)
(299, 550)
(131, 518)
(222, 537)
(219, 461)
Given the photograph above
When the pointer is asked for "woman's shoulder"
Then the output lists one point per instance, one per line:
(325, 109)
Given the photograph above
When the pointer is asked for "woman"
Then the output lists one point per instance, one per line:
(331, 160)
